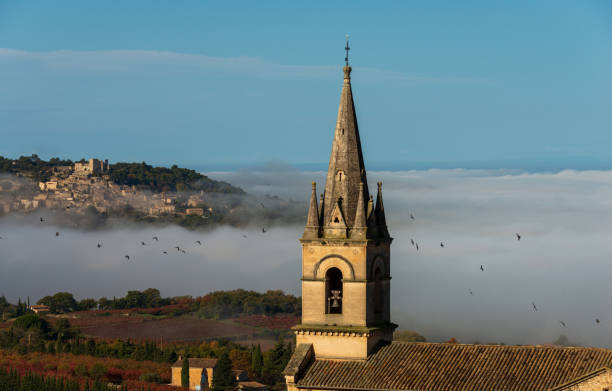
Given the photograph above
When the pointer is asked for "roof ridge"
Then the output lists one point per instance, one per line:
(501, 345)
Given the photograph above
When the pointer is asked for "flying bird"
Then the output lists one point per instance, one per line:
(56, 233)
(143, 243)
(165, 252)
(534, 306)
(596, 320)
(177, 248)
(518, 237)
(127, 257)
(471, 293)
(155, 238)
(263, 230)
(262, 205)
(417, 246)
(441, 244)
(99, 245)
(198, 242)
(411, 216)
(482, 268)
(412, 241)
(562, 323)
(183, 251)
(42, 220)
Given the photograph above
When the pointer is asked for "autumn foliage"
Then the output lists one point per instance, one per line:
(70, 366)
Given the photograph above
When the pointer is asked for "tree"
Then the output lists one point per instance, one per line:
(4, 304)
(564, 341)
(223, 377)
(87, 304)
(60, 302)
(408, 336)
(275, 362)
(104, 303)
(21, 309)
(62, 327)
(256, 360)
(152, 297)
(31, 321)
(185, 373)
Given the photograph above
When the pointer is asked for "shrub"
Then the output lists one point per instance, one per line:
(81, 370)
(97, 371)
(31, 321)
(150, 377)
(50, 367)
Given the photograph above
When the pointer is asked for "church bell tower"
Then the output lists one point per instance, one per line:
(345, 253)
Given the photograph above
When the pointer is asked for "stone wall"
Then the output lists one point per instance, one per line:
(195, 376)
(601, 381)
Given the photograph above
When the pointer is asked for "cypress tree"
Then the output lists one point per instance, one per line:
(223, 377)
(274, 363)
(185, 372)
(58, 344)
(287, 354)
(256, 361)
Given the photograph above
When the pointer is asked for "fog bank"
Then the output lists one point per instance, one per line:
(561, 263)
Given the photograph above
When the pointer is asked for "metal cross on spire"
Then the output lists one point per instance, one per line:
(347, 48)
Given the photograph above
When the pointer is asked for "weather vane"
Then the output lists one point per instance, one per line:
(347, 48)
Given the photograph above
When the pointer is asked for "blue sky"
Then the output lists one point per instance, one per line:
(224, 84)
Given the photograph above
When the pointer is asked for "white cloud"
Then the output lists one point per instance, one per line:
(147, 60)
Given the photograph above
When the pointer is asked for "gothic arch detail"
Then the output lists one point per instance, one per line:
(345, 266)
(379, 262)
(333, 291)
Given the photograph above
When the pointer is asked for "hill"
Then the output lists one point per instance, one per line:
(139, 175)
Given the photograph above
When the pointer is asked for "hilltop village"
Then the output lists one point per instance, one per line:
(87, 185)
(95, 188)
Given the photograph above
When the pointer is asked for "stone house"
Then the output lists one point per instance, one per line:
(93, 166)
(39, 309)
(201, 372)
(194, 211)
(48, 186)
(345, 338)
(194, 200)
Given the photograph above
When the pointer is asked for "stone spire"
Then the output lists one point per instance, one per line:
(311, 231)
(379, 214)
(346, 169)
(360, 229)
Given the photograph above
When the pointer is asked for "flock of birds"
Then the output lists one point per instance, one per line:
(414, 243)
(482, 269)
(156, 239)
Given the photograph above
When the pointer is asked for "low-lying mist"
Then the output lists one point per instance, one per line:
(561, 264)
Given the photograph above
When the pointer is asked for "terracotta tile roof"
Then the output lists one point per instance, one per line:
(197, 363)
(454, 367)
